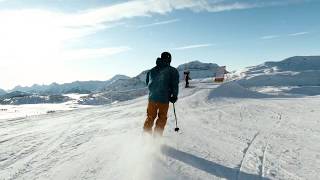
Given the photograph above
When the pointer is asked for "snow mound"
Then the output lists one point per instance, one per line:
(234, 90)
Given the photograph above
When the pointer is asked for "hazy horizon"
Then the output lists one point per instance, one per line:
(110, 77)
(44, 42)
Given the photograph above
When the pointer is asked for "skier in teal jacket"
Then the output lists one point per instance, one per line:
(163, 85)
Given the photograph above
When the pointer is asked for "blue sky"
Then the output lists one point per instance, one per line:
(46, 41)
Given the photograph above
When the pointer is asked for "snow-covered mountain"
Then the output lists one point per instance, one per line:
(55, 88)
(82, 87)
(294, 71)
(18, 98)
(297, 75)
(297, 64)
(198, 69)
(113, 80)
(2, 92)
(142, 76)
(117, 77)
(119, 90)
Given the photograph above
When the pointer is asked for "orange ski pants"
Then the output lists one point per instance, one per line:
(156, 109)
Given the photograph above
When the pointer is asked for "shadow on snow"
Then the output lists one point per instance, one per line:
(208, 166)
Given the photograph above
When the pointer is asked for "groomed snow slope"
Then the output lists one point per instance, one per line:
(271, 138)
(233, 89)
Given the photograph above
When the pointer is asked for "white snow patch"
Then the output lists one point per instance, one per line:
(75, 96)
(19, 111)
(234, 90)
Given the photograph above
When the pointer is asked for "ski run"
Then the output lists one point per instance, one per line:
(243, 137)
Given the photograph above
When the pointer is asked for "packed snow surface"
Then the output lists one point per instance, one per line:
(219, 138)
(233, 89)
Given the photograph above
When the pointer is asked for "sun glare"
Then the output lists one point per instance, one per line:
(29, 37)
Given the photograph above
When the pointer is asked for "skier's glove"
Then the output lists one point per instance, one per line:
(173, 99)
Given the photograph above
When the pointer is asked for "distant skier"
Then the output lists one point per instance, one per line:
(163, 84)
(187, 78)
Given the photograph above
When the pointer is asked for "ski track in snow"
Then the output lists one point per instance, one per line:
(224, 138)
(245, 153)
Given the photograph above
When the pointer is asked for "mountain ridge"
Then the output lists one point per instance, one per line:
(72, 87)
(298, 73)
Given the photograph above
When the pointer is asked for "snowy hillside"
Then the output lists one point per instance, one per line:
(198, 69)
(18, 98)
(2, 92)
(295, 75)
(220, 138)
(297, 63)
(116, 78)
(119, 90)
(142, 75)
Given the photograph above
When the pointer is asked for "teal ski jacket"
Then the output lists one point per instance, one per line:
(162, 82)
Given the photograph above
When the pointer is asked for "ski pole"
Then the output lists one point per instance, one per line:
(175, 115)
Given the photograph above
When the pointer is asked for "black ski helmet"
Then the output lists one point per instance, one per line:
(166, 56)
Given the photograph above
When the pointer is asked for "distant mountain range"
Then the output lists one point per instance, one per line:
(53, 93)
(82, 87)
(118, 88)
(18, 97)
(299, 74)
